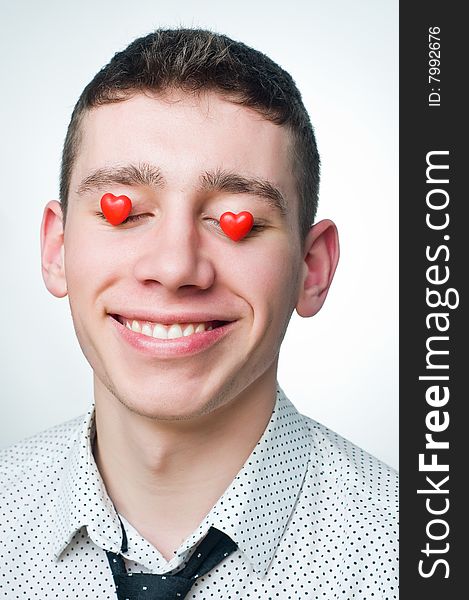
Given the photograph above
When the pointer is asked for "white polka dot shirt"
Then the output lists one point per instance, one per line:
(313, 516)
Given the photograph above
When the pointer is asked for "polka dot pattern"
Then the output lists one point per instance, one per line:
(313, 517)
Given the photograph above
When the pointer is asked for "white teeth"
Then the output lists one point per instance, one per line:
(175, 331)
(147, 330)
(189, 330)
(163, 332)
(160, 332)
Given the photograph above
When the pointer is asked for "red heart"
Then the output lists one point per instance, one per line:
(116, 209)
(236, 226)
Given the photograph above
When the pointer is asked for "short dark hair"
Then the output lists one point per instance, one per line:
(197, 60)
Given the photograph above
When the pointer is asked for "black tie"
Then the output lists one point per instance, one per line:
(215, 546)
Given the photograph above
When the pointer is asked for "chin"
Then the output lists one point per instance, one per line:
(183, 395)
(166, 410)
(172, 404)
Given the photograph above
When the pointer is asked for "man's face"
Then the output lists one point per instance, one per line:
(173, 264)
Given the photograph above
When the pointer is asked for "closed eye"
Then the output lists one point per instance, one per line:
(258, 226)
(130, 218)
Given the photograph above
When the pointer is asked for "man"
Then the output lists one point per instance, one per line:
(192, 475)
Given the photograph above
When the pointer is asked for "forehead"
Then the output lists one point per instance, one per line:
(185, 135)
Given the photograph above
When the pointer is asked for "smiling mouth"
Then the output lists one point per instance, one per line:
(163, 331)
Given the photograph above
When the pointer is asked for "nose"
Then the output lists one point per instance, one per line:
(171, 254)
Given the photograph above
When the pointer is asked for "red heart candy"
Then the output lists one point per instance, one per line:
(116, 209)
(236, 226)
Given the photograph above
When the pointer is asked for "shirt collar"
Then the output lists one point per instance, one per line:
(267, 487)
(82, 499)
(265, 490)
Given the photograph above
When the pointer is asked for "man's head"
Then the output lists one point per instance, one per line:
(185, 152)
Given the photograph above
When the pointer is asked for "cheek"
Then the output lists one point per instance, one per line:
(91, 260)
(266, 274)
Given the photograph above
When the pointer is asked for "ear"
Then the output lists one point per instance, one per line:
(52, 249)
(321, 255)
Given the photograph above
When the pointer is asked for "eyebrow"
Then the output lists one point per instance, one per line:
(234, 183)
(219, 180)
(141, 174)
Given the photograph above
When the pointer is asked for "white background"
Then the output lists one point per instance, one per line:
(339, 367)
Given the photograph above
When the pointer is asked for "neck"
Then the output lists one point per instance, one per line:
(151, 469)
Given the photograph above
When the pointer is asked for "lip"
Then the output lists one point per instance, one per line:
(171, 348)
